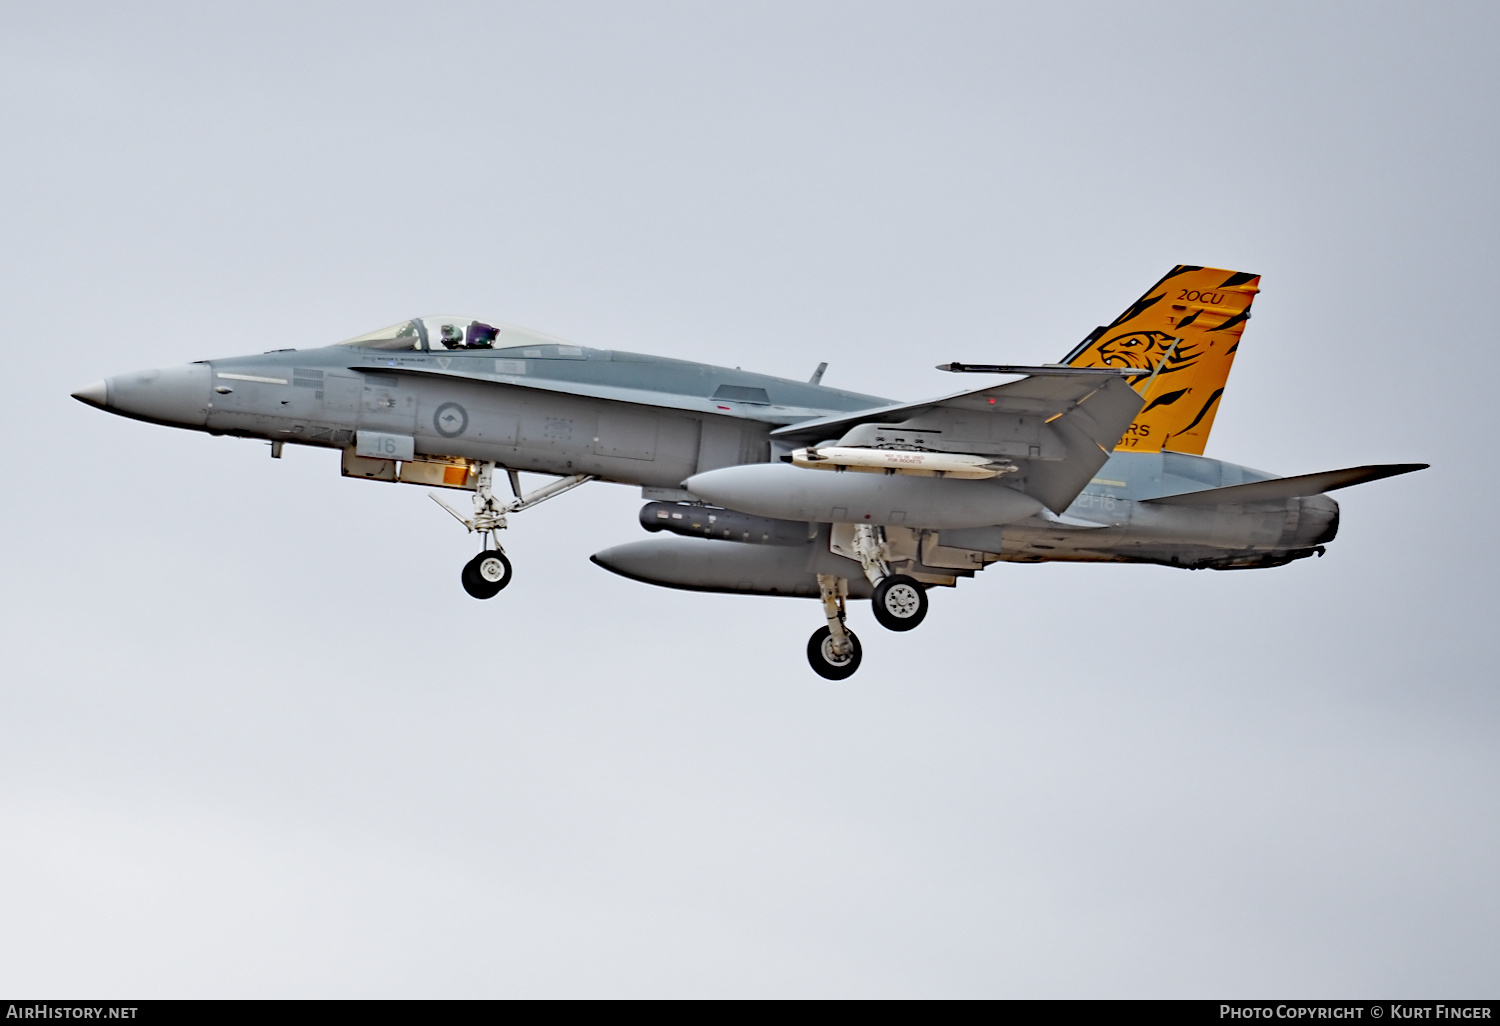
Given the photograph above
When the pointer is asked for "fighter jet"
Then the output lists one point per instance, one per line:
(762, 485)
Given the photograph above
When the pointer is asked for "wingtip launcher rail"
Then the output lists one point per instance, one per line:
(1055, 370)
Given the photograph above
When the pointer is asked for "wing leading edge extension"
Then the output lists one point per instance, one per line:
(595, 390)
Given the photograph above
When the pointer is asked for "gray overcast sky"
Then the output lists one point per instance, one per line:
(257, 741)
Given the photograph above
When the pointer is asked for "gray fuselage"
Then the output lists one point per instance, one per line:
(544, 406)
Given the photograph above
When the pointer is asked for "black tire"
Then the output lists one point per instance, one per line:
(486, 575)
(900, 603)
(821, 659)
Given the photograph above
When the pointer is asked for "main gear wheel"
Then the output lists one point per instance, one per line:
(899, 602)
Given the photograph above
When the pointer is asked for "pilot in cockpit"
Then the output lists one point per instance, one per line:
(481, 336)
(452, 336)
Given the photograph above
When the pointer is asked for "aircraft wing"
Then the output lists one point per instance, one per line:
(1279, 488)
(1059, 424)
(1072, 384)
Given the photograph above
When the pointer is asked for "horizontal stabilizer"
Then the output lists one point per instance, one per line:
(1288, 487)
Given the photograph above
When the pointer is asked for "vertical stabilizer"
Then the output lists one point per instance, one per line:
(1203, 311)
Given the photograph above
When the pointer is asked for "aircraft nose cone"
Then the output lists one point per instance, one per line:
(170, 395)
(96, 394)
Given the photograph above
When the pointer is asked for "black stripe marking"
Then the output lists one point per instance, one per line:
(1202, 413)
(1142, 305)
(1166, 400)
(1189, 319)
(1238, 279)
(1182, 359)
(1239, 318)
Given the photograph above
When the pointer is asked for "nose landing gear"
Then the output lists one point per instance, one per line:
(487, 574)
(828, 663)
(833, 651)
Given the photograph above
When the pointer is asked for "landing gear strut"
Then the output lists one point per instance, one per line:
(833, 650)
(488, 573)
(899, 603)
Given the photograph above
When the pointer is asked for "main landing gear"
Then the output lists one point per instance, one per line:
(899, 602)
(487, 574)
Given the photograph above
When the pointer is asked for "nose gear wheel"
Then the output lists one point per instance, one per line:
(486, 575)
(826, 662)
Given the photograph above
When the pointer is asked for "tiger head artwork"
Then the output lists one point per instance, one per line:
(1141, 350)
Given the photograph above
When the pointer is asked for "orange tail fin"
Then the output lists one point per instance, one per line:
(1201, 311)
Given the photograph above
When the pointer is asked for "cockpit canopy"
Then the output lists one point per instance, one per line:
(433, 334)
